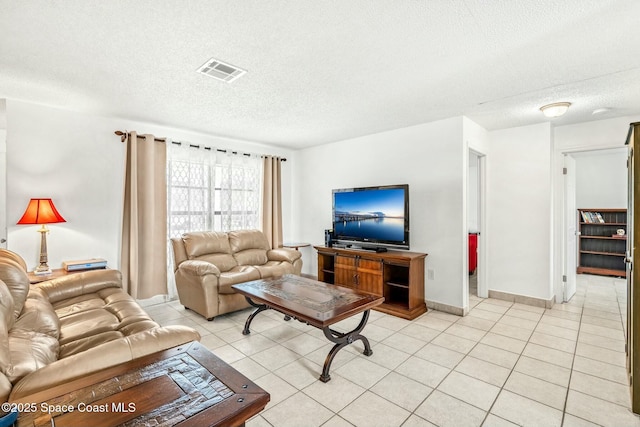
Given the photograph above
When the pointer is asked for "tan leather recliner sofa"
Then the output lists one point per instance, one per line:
(66, 328)
(207, 263)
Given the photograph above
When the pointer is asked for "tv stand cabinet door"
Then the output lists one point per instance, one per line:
(346, 271)
(369, 277)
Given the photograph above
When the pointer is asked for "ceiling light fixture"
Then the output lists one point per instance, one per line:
(556, 109)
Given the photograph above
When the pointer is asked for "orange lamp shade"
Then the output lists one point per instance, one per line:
(41, 211)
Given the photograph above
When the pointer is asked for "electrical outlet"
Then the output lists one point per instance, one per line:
(430, 274)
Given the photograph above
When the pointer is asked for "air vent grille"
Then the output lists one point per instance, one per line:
(220, 70)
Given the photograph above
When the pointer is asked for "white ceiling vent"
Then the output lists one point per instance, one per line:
(221, 70)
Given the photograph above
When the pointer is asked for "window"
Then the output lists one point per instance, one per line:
(209, 190)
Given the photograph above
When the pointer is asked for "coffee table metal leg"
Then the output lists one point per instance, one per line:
(259, 308)
(342, 340)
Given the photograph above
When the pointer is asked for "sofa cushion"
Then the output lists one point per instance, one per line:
(274, 268)
(241, 240)
(30, 351)
(210, 246)
(15, 277)
(251, 257)
(236, 275)
(38, 316)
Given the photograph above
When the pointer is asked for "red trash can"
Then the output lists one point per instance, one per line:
(473, 252)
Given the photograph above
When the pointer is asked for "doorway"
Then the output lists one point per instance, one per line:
(476, 214)
(593, 180)
(3, 173)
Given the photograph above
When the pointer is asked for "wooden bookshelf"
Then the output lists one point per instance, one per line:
(601, 250)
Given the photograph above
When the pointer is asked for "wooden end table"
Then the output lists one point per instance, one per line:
(187, 386)
(55, 273)
(315, 303)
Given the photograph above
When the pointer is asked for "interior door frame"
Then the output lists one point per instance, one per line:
(569, 254)
(481, 275)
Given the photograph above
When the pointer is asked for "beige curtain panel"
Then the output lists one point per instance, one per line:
(272, 201)
(144, 225)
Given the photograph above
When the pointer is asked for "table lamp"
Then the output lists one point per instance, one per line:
(41, 211)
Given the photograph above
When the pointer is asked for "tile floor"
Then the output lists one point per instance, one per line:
(502, 365)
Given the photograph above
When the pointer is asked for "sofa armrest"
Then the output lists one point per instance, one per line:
(80, 284)
(283, 254)
(198, 268)
(104, 356)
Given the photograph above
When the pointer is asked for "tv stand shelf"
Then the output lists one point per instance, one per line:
(398, 276)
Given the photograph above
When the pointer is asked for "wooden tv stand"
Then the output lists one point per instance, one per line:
(398, 276)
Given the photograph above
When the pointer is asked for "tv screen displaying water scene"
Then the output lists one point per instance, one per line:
(372, 217)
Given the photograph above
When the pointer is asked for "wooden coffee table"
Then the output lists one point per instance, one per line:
(186, 386)
(316, 303)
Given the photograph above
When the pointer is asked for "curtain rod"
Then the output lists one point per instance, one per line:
(123, 137)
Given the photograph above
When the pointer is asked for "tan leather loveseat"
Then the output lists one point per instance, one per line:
(207, 263)
(66, 328)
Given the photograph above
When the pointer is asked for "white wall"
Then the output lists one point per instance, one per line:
(76, 159)
(601, 178)
(519, 202)
(430, 158)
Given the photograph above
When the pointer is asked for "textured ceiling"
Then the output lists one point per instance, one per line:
(323, 71)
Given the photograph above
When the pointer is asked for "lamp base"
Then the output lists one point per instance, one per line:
(42, 272)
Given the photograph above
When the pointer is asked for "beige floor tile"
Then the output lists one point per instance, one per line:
(601, 314)
(297, 410)
(252, 344)
(229, 354)
(275, 357)
(518, 322)
(558, 331)
(386, 356)
(476, 322)
(540, 338)
(281, 333)
(447, 411)
(549, 355)
(483, 370)
(433, 322)
(257, 421)
(601, 369)
(467, 332)
(304, 344)
(278, 388)
(336, 394)
(499, 302)
(484, 314)
(602, 331)
(423, 371)
(506, 343)
(601, 354)
(444, 316)
(453, 342)
(300, 373)
(599, 321)
(416, 421)
(390, 322)
(600, 411)
(211, 341)
(536, 389)
(563, 314)
(560, 322)
(493, 421)
(524, 314)
(404, 343)
(440, 355)
(371, 410)
(571, 421)
(362, 372)
(320, 355)
(545, 371)
(402, 391)
(249, 368)
(531, 308)
(512, 331)
(498, 309)
(470, 390)
(495, 355)
(420, 332)
(525, 412)
(600, 341)
(603, 389)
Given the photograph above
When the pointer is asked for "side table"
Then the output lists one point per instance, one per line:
(295, 245)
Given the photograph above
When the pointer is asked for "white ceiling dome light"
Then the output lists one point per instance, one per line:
(556, 109)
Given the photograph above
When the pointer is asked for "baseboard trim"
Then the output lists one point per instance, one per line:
(522, 299)
(451, 309)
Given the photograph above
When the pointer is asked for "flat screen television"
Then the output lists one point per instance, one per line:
(372, 217)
